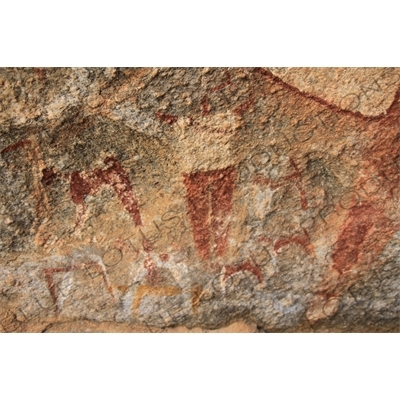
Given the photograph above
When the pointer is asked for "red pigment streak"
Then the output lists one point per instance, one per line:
(224, 84)
(152, 273)
(303, 198)
(243, 107)
(49, 272)
(221, 204)
(85, 183)
(364, 235)
(301, 240)
(296, 168)
(350, 243)
(299, 187)
(50, 283)
(125, 246)
(152, 277)
(118, 179)
(199, 209)
(264, 239)
(209, 197)
(46, 239)
(147, 245)
(48, 176)
(99, 269)
(390, 111)
(205, 106)
(169, 119)
(164, 257)
(41, 73)
(15, 146)
(81, 186)
(246, 266)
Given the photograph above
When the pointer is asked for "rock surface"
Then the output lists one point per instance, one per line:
(199, 199)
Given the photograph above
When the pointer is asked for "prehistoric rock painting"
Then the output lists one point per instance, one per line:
(84, 183)
(50, 272)
(200, 197)
(209, 195)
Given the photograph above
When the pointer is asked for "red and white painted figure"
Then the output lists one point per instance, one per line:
(84, 183)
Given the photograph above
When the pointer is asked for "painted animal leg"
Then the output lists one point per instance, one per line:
(48, 273)
(119, 180)
(102, 271)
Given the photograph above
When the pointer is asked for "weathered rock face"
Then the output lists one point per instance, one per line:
(196, 199)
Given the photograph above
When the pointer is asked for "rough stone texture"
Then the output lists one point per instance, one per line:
(200, 199)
